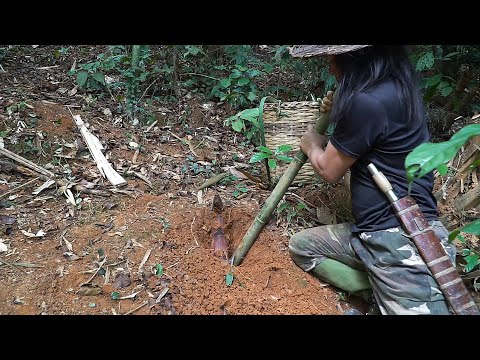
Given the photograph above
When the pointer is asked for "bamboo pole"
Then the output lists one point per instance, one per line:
(133, 86)
(136, 49)
(272, 201)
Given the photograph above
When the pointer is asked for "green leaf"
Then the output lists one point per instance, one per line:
(443, 84)
(251, 96)
(99, 77)
(243, 81)
(425, 61)
(267, 67)
(82, 77)
(284, 158)
(265, 149)
(115, 295)
(272, 164)
(229, 279)
(427, 157)
(258, 157)
(471, 228)
(253, 73)
(472, 261)
(450, 55)
(159, 272)
(283, 149)
(226, 82)
(466, 252)
(238, 125)
(249, 113)
(434, 80)
(282, 207)
(446, 91)
(442, 169)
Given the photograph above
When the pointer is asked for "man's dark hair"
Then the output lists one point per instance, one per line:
(362, 69)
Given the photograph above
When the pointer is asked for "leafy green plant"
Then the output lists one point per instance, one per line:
(61, 53)
(290, 211)
(193, 166)
(90, 78)
(239, 88)
(246, 122)
(273, 156)
(239, 189)
(226, 180)
(430, 156)
(20, 106)
(435, 82)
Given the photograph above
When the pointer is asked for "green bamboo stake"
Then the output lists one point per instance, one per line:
(136, 49)
(132, 88)
(272, 201)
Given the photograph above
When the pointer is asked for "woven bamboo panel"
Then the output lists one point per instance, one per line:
(284, 125)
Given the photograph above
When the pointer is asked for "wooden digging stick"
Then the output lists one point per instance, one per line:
(272, 201)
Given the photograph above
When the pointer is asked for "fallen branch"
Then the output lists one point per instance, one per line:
(144, 260)
(212, 181)
(18, 187)
(44, 186)
(26, 162)
(140, 176)
(96, 272)
(151, 126)
(186, 141)
(161, 295)
(469, 200)
(95, 147)
(11, 265)
(137, 308)
(28, 265)
(191, 229)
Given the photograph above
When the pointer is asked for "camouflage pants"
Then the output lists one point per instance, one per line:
(399, 278)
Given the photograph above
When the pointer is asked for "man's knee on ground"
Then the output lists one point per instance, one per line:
(297, 242)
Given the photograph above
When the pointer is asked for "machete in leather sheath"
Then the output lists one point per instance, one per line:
(429, 247)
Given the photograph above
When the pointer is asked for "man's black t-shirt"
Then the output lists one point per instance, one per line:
(373, 131)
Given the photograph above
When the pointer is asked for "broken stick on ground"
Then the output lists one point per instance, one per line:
(95, 147)
(26, 162)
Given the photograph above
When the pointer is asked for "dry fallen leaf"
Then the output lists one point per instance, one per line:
(8, 220)
(3, 247)
(122, 280)
(89, 290)
(40, 233)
